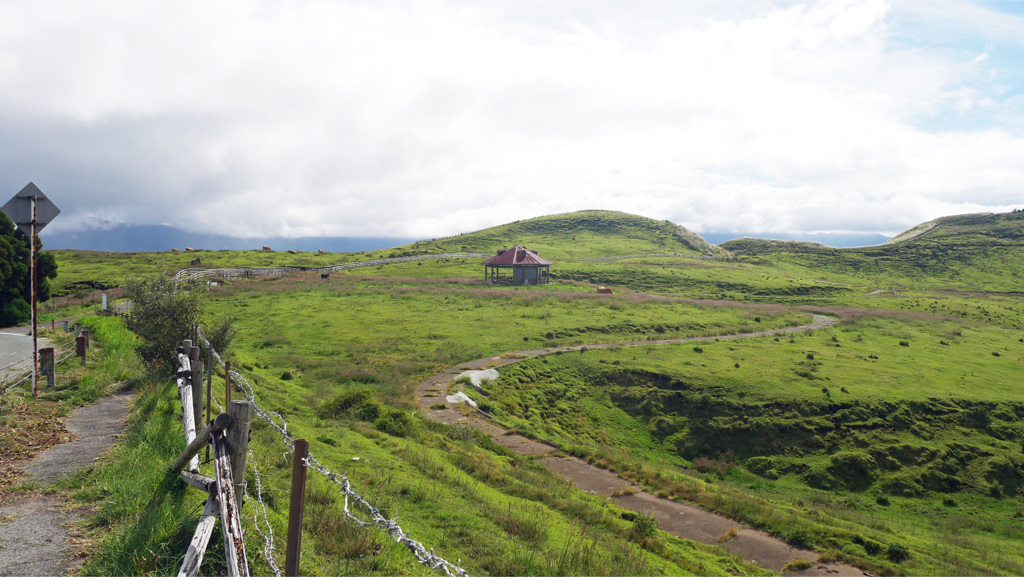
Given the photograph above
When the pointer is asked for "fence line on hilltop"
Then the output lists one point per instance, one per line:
(650, 254)
(190, 274)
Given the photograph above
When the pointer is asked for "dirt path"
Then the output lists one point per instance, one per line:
(36, 531)
(682, 520)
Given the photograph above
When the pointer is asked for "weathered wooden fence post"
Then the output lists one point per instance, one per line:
(200, 539)
(85, 333)
(80, 348)
(197, 384)
(230, 520)
(296, 509)
(238, 444)
(209, 389)
(227, 383)
(47, 366)
(188, 421)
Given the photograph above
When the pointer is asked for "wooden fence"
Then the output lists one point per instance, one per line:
(228, 433)
(190, 274)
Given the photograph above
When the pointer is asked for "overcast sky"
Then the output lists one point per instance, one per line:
(422, 119)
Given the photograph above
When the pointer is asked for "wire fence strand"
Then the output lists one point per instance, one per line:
(423, 555)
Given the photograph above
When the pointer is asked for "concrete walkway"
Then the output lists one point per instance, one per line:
(37, 531)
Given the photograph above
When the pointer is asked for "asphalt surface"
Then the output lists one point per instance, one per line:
(16, 350)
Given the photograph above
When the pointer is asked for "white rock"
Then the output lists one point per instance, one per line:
(460, 397)
(477, 378)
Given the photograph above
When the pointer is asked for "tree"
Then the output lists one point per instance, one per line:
(163, 313)
(15, 276)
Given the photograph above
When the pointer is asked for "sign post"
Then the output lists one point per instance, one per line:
(31, 211)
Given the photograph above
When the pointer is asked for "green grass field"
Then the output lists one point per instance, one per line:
(891, 440)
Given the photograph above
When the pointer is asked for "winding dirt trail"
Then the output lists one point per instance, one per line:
(682, 520)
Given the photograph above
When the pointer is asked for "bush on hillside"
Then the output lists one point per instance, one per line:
(396, 423)
(357, 403)
(163, 314)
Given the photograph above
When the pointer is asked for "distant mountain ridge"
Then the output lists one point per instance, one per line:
(637, 234)
(162, 238)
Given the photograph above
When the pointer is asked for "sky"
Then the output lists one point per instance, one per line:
(425, 119)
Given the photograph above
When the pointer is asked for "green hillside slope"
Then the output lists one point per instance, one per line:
(582, 234)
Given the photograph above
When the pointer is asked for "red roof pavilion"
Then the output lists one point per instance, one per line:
(527, 267)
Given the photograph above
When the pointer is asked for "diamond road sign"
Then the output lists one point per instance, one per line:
(19, 209)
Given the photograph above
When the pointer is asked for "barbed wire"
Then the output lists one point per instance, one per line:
(268, 539)
(390, 526)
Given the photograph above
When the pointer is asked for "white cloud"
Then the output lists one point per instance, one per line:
(426, 119)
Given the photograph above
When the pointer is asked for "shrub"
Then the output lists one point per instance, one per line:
(163, 313)
(396, 423)
(882, 500)
(220, 332)
(904, 344)
(286, 376)
(698, 350)
(644, 529)
(357, 402)
(897, 552)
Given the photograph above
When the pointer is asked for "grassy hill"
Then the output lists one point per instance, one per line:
(890, 440)
(576, 235)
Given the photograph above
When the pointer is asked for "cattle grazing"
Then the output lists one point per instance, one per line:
(174, 250)
(189, 249)
(197, 262)
(464, 247)
(604, 290)
(267, 249)
(325, 275)
(293, 252)
(319, 251)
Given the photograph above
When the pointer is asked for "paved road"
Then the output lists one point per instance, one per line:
(16, 348)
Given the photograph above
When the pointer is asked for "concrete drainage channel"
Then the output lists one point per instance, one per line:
(679, 519)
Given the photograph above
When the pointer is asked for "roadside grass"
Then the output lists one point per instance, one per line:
(29, 425)
(840, 438)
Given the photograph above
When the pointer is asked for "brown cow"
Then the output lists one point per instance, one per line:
(189, 249)
(320, 251)
(174, 250)
(293, 252)
(325, 275)
(604, 290)
(267, 249)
